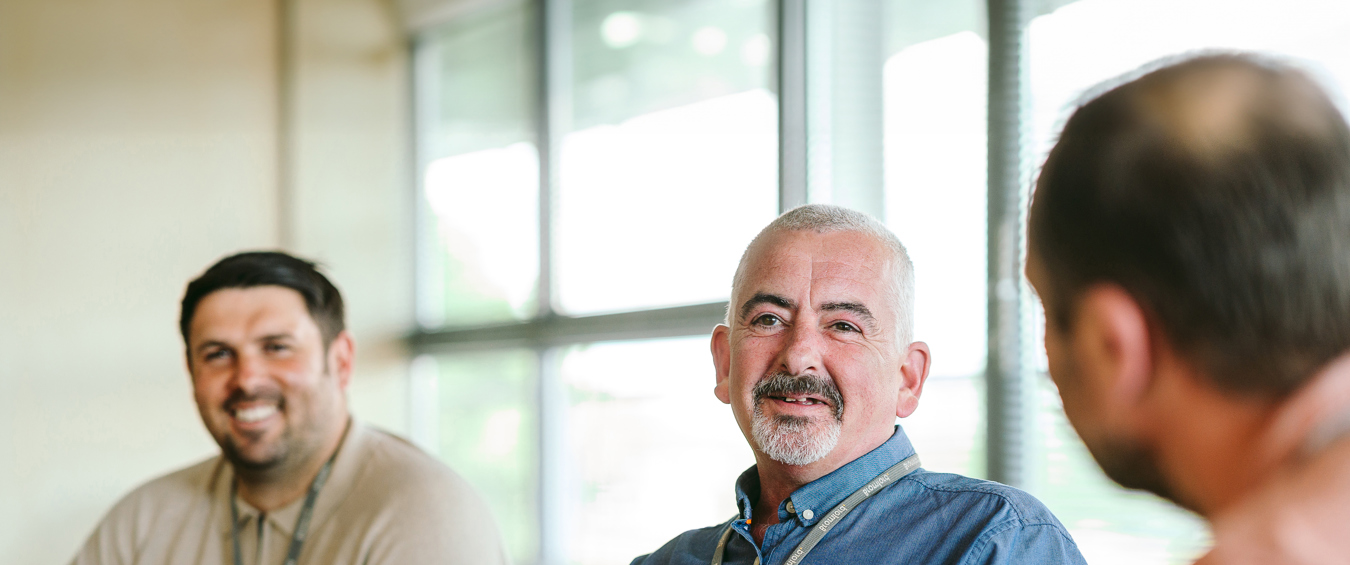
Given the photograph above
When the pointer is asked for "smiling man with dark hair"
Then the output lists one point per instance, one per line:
(817, 360)
(297, 479)
(1190, 240)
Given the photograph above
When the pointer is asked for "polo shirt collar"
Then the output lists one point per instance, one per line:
(823, 494)
(346, 468)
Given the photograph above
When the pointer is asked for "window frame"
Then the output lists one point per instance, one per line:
(801, 79)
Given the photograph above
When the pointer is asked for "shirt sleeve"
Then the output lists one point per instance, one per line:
(113, 540)
(1018, 543)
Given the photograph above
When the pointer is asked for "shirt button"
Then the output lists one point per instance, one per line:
(790, 509)
(808, 514)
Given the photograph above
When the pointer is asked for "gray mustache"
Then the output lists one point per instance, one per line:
(784, 384)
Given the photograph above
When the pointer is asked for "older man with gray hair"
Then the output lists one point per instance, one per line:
(817, 360)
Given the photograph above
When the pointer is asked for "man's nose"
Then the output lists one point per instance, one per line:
(802, 352)
(249, 370)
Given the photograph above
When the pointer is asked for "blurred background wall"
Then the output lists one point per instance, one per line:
(141, 140)
(534, 208)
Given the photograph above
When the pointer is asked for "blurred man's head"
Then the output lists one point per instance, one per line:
(816, 356)
(269, 358)
(1215, 195)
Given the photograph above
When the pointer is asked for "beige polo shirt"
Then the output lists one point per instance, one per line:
(386, 502)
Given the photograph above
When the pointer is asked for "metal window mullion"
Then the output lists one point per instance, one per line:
(792, 115)
(1006, 381)
(830, 104)
(553, 476)
(553, 63)
(552, 121)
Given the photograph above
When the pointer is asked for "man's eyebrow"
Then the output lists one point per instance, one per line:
(855, 307)
(209, 344)
(766, 298)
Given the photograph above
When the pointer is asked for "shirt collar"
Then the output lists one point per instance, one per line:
(823, 494)
(346, 469)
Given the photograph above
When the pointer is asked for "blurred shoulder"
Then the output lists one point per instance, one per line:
(172, 492)
(393, 466)
(160, 509)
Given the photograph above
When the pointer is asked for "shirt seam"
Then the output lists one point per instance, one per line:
(1009, 502)
(978, 548)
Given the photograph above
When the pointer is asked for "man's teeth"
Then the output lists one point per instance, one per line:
(254, 414)
(803, 400)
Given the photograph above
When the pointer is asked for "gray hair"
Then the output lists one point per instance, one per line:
(826, 218)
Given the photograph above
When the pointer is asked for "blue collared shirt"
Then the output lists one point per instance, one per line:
(924, 518)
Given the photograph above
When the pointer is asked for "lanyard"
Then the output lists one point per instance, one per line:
(301, 523)
(835, 516)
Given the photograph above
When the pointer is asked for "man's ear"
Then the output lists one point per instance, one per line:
(342, 358)
(912, 376)
(1113, 343)
(721, 354)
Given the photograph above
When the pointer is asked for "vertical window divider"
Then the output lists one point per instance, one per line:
(792, 107)
(553, 64)
(1006, 383)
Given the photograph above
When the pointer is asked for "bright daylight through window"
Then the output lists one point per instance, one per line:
(590, 171)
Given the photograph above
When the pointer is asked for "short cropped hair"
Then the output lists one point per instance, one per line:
(269, 268)
(1216, 191)
(826, 218)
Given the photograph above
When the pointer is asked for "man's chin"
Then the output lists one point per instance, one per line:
(794, 441)
(1133, 466)
(252, 460)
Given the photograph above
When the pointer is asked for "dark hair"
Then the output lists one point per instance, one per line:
(1216, 191)
(264, 268)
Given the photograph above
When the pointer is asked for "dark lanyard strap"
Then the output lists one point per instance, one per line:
(301, 523)
(895, 473)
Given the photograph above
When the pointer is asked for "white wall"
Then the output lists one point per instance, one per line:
(138, 144)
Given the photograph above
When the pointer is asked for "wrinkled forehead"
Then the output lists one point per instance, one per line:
(841, 259)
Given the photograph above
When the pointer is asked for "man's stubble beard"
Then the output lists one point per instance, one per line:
(270, 462)
(795, 440)
(1131, 465)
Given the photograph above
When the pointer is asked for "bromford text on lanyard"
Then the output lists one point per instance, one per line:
(835, 516)
(301, 523)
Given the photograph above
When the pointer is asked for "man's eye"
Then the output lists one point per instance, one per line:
(766, 320)
(216, 355)
(844, 327)
(276, 347)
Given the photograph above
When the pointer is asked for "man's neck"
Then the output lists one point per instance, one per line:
(279, 487)
(1225, 448)
(778, 481)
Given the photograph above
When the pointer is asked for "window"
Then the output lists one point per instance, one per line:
(589, 172)
(934, 88)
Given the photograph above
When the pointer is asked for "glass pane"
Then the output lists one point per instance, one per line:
(487, 431)
(671, 166)
(641, 417)
(1072, 49)
(934, 84)
(480, 170)
(1086, 42)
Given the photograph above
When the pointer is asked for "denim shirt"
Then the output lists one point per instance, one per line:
(924, 518)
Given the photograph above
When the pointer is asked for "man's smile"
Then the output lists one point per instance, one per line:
(253, 414)
(800, 400)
